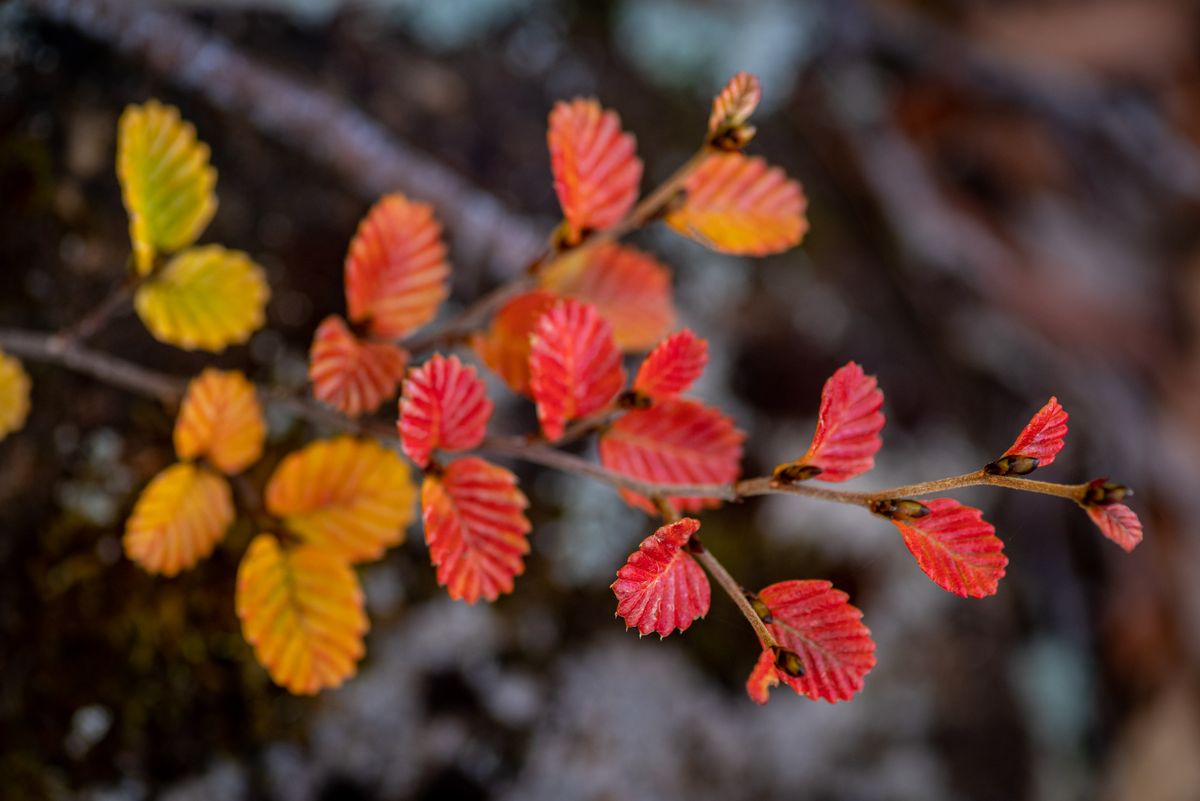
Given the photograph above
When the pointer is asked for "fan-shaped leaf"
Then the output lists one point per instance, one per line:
(476, 528)
(735, 103)
(505, 346)
(661, 587)
(166, 181)
(396, 269)
(673, 366)
(444, 405)
(302, 610)
(676, 441)
(205, 298)
(1037, 444)
(348, 496)
(221, 419)
(14, 395)
(737, 204)
(848, 426)
(574, 365)
(179, 518)
(353, 376)
(595, 165)
(955, 547)
(1117, 522)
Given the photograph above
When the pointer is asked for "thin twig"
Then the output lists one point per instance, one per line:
(738, 594)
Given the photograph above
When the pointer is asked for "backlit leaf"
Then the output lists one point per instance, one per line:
(763, 677)
(1043, 437)
(735, 103)
(504, 348)
(349, 496)
(848, 425)
(221, 419)
(476, 528)
(179, 518)
(166, 181)
(396, 270)
(302, 610)
(14, 395)
(955, 547)
(1117, 522)
(661, 587)
(673, 366)
(205, 298)
(595, 165)
(737, 204)
(444, 406)
(352, 375)
(574, 365)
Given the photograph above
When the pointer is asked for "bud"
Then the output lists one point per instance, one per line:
(761, 609)
(633, 400)
(1012, 466)
(1103, 492)
(789, 663)
(733, 137)
(899, 508)
(794, 472)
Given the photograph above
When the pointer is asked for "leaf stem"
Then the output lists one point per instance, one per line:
(738, 594)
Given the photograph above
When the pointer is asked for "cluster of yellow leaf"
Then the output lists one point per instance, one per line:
(14, 395)
(201, 297)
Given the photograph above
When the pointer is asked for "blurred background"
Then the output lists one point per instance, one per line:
(1005, 205)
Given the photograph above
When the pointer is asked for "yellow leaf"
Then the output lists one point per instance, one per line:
(221, 419)
(166, 181)
(14, 395)
(206, 298)
(178, 519)
(350, 496)
(302, 610)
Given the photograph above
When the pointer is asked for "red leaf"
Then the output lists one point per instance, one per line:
(596, 169)
(1117, 522)
(815, 622)
(661, 587)
(736, 102)
(351, 375)
(763, 677)
(1044, 436)
(444, 405)
(476, 528)
(574, 365)
(955, 547)
(396, 268)
(673, 366)
(505, 346)
(676, 441)
(848, 426)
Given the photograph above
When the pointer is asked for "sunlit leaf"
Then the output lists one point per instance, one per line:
(476, 529)
(1117, 522)
(673, 366)
(205, 298)
(179, 518)
(954, 546)
(444, 406)
(661, 587)
(14, 395)
(504, 347)
(1037, 444)
(166, 181)
(763, 677)
(221, 420)
(848, 425)
(302, 610)
(735, 103)
(352, 497)
(354, 376)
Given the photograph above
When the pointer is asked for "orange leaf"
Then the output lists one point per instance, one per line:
(476, 528)
(673, 366)
(763, 677)
(661, 587)
(955, 547)
(396, 269)
(1117, 522)
(179, 518)
(221, 419)
(354, 376)
(505, 346)
(735, 103)
(848, 425)
(14, 394)
(444, 406)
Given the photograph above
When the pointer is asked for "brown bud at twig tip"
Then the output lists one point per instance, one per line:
(1012, 466)
(1103, 492)
(899, 508)
(789, 663)
(794, 472)
(634, 400)
(761, 609)
(733, 138)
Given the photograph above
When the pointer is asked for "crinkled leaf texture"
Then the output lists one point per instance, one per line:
(848, 425)
(595, 165)
(1117, 522)
(354, 376)
(178, 519)
(504, 348)
(476, 529)
(574, 365)
(302, 610)
(396, 270)
(14, 395)
(819, 625)
(676, 441)
(630, 289)
(205, 298)
(737, 204)
(956, 548)
(673, 366)
(735, 103)
(347, 496)
(444, 406)
(166, 181)
(221, 420)
(1044, 436)
(661, 587)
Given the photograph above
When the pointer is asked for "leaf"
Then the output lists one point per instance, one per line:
(673, 366)
(737, 204)
(661, 587)
(396, 269)
(595, 165)
(1117, 522)
(763, 677)
(476, 528)
(735, 103)
(817, 624)
(574, 365)
(505, 346)
(178, 519)
(205, 298)
(955, 547)
(444, 406)
(302, 610)
(630, 289)
(166, 181)
(348, 496)
(221, 419)
(14, 395)
(353, 376)
(1040, 440)
(676, 441)
(848, 425)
